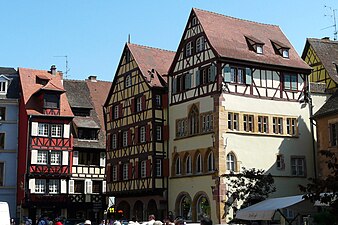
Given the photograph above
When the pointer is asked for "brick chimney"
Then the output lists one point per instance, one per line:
(92, 78)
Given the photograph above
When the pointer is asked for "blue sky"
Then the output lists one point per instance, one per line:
(92, 33)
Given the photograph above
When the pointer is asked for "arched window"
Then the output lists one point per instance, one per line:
(199, 164)
(178, 166)
(127, 81)
(231, 162)
(203, 206)
(188, 165)
(193, 120)
(185, 208)
(211, 162)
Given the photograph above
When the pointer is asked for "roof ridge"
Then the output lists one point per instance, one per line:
(149, 47)
(86, 79)
(231, 17)
(324, 41)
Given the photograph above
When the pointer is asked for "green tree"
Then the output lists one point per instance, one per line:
(250, 186)
(325, 189)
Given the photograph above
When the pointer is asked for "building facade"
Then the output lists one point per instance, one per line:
(9, 113)
(137, 133)
(235, 100)
(87, 180)
(45, 145)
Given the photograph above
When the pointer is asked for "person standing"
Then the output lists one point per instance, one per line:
(151, 219)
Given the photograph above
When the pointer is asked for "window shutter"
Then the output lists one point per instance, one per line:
(108, 172)
(111, 113)
(136, 169)
(63, 186)
(165, 133)
(174, 85)
(71, 187)
(132, 105)
(136, 137)
(213, 71)
(148, 168)
(66, 130)
(330, 127)
(143, 102)
(227, 73)
(34, 131)
(65, 157)
(248, 78)
(165, 101)
(130, 141)
(108, 141)
(188, 81)
(120, 110)
(130, 171)
(31, 185)
(75, 158)
(119, 172)
(166, 167)
(148, 133)
(104, 186)
(34, 156)
(197, 76)
(102, 159)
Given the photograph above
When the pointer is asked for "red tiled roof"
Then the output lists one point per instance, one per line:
(227, 36)
(149, 59)
(30, 87)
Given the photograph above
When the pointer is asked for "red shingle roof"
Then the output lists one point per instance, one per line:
(30, 87)
(149, 59)
(227, 36)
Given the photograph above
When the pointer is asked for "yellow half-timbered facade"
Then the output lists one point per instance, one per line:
(321, 55)
(235, 93)
(137, 132)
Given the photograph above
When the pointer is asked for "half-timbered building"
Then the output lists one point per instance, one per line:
(236, 89)
(137, 132)
(45, 144)
(322, 56)
(87, 182)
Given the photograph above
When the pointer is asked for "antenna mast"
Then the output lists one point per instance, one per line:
(67, 70)
(334, 21)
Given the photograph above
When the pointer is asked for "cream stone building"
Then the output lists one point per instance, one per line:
(236, 99)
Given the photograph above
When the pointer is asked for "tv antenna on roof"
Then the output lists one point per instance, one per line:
(333, 15)
(67, 70)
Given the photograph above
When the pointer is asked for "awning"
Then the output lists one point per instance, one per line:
(85, 122)
(266, 209)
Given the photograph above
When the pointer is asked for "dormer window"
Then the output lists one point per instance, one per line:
(4, 81)
(51, 101)
(254, 44)
(281, 49)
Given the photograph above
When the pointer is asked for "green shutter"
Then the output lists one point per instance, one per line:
(188, 81)
(174, 85)
(226, 73)
(197, 73)
(248, 78)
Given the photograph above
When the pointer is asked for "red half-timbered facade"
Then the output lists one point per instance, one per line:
(137, 132)
(45, 144)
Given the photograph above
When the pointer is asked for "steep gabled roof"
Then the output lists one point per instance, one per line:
(77, 94)
(327, 51)
(153, 62)
(29, 87)
(227, 36)
(7, 71)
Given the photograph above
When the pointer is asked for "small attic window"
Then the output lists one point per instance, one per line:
(285, 53)
(259, 49)
(254, 44)
(194, 21)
